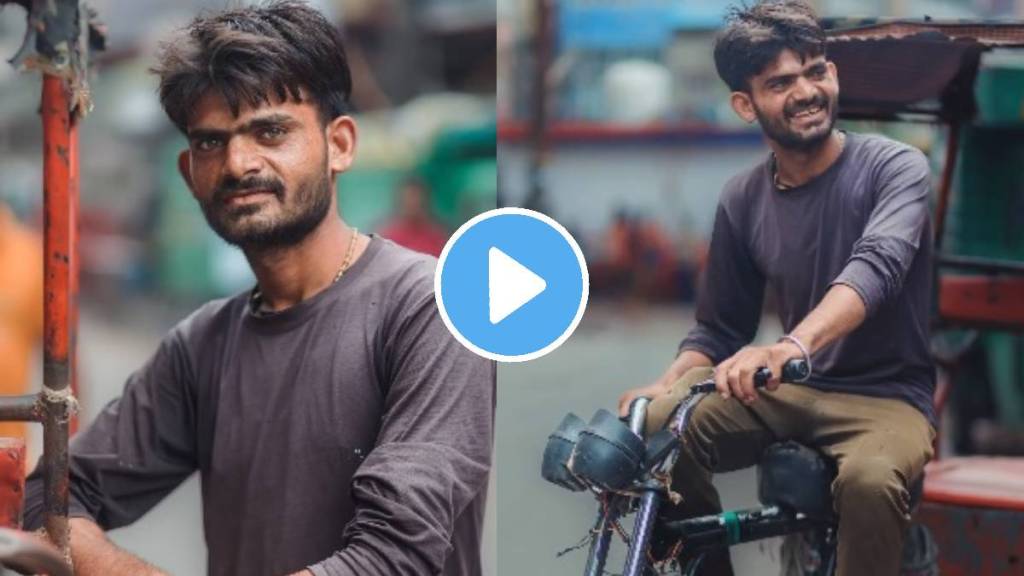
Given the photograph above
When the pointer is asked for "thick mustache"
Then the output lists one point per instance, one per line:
(798, 108)
(236, 187)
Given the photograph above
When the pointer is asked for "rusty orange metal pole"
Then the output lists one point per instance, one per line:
(74, 189)
(946, 183)
(57, 221)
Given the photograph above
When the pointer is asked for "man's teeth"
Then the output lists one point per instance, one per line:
(808, 112)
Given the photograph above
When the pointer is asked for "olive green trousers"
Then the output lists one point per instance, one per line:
(880, 446)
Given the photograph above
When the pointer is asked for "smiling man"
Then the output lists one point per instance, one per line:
(338, 428)
(836, 226)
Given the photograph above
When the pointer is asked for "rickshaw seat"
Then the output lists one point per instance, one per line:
(799, 478)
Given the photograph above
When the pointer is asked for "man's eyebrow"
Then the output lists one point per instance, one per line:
(274, 119)
(201, 133)
(779, 78)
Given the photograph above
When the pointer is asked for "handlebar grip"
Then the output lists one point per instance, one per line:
(795, 370)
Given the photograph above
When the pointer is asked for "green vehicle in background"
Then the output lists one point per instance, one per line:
(985, 220)
(192, 264)
(460, 169)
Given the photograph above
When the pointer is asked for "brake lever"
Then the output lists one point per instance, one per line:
(792, 371)
(796, 370)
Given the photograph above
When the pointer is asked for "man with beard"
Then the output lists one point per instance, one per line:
(836, 226)
(337, 426)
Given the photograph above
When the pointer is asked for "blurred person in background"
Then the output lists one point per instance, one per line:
(641, 262)
(658, 264)
(614, 272)
(836, 226)
(338, 427)
(413, 225)
(21, 308)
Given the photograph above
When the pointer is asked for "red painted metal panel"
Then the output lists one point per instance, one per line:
(12, 481)
(977, 482)
(992, 301)
(975, 541)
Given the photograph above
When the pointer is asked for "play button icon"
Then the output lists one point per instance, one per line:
(511, 284)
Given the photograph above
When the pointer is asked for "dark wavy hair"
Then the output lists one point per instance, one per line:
(754, 36)
(284, 49)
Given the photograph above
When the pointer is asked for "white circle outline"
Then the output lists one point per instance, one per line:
(579, 258)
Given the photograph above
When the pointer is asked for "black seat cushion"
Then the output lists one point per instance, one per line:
(797, 478)
(794, 476)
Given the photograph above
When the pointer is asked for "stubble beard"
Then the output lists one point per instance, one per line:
(778, 130)
(245, 227)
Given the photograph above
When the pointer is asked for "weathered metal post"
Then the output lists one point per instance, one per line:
(57, 40)
(56, 399)
(946, 183)
(74, 179)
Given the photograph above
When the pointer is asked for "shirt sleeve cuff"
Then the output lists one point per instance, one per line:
(33, 512)
(318, 570)
(330, 567)
(863, 279)
(697, 347)
(701, 340)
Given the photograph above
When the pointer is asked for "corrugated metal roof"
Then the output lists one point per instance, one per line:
(987, 33)
(888, 68)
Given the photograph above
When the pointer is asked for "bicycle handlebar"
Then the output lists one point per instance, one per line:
(795, 370)
(663, 446)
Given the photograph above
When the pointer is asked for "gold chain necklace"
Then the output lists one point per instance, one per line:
(348, 255)
(257, 294)
(775, 165)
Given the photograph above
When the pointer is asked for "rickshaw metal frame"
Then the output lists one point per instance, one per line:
(57, 41)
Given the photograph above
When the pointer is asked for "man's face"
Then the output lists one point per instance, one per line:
(263, 178)
(796, 101)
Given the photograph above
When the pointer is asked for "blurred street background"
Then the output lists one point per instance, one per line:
(628, 145)
(424, 91)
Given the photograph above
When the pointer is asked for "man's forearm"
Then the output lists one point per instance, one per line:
(93, 554)
(686, 361)
(840, 312)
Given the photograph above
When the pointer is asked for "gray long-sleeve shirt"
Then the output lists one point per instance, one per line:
(350, 433)
(864, 223)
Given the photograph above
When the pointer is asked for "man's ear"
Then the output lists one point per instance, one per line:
(185, 169)
(743, 106)
(832, 69)
(341, 143)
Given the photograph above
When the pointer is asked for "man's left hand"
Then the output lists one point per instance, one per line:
(735, 375)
